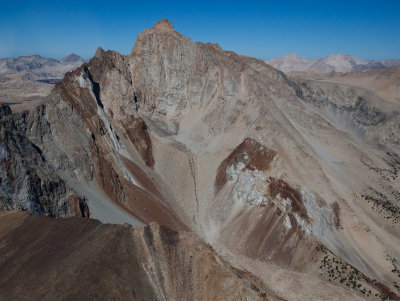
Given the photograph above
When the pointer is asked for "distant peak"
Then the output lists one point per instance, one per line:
(292, 54)
(73, 55)
(339, 55)
(164, 24)
(72, 58)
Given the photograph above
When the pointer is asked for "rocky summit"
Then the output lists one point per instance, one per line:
(193, 173)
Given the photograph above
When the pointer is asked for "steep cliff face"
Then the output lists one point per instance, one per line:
(260, 166)
(27, 180)
(90, 146)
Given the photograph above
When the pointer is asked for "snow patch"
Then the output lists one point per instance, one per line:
(287, 203)
(303, 225)
(103, 117)
(84, 82)
(287, 222)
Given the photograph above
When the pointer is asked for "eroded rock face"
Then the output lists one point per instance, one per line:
(27, 181)
(89, 130)
(103, 98)
(266, 218)
(249, 155)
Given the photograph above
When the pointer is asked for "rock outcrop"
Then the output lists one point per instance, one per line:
(27, 181)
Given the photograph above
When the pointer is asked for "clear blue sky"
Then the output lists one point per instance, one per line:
(263, 29)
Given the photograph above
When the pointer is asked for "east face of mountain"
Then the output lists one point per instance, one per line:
(270, 171)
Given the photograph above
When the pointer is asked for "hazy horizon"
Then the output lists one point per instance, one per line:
(88, 58)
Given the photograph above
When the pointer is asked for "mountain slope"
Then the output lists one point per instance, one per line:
(300, 174)
(113, 262)
(384, 82)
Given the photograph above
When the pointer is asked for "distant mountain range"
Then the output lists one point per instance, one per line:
(28, 79)
(40, 68)
(333, 63)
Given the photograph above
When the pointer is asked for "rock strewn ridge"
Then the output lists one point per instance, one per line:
(85, 260)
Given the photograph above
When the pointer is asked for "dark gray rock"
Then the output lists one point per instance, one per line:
(27, 180)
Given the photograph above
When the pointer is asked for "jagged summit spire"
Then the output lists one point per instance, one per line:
(99, 52)
(164, 24)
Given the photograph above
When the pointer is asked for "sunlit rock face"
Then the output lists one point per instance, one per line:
(267, 170)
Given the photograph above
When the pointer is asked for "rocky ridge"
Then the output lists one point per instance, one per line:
(261, 166)
(155, 263)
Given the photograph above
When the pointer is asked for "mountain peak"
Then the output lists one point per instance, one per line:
(99, 51)
(289, 62)
(72, 58)
(291, 55)
(164, 24)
